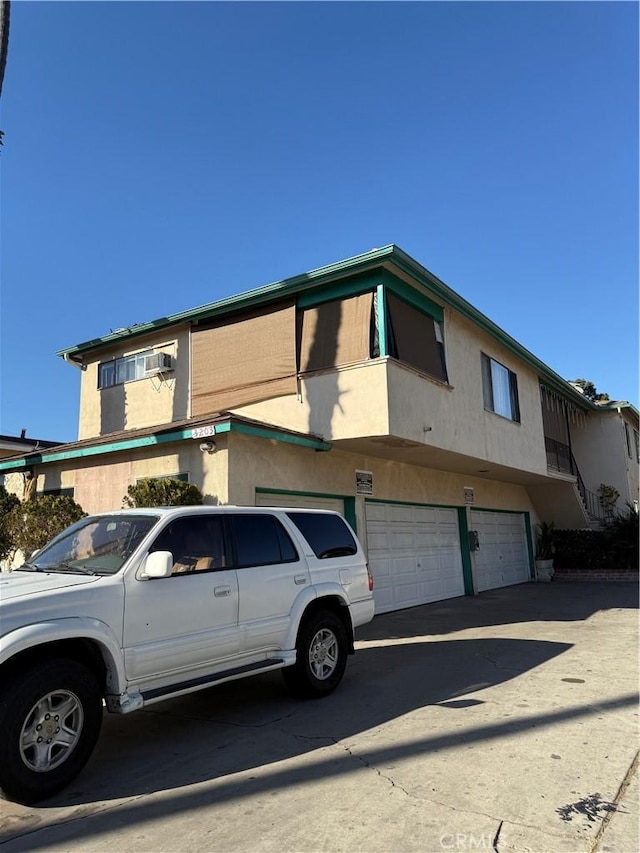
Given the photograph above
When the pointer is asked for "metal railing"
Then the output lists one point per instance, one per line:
(560, 458)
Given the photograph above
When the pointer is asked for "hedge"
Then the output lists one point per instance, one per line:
(615, 547)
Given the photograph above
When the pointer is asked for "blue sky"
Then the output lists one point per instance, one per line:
(159, 156)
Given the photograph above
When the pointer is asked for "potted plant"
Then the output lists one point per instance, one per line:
(544, 551)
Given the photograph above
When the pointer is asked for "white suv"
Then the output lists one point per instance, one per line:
(139, 605)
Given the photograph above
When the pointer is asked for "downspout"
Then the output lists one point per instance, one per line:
(72, 361)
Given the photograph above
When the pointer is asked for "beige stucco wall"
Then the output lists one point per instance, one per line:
(384, 397)
(457, 418)
(348, 402)
(100, 482)
(256, 463)
(140, 403)
(601, 453)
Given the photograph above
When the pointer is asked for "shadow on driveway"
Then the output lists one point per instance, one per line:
(530, 602)
(250, 727)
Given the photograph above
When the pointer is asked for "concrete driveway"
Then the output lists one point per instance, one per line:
(504, 722)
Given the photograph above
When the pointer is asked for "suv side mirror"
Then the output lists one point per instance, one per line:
(159, 564)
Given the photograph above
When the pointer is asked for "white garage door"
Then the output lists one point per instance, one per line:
(301, 501)
(503, 556)
(414, 554)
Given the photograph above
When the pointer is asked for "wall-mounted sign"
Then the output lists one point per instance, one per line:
(468, 495)
(203, 431)
(364, 482)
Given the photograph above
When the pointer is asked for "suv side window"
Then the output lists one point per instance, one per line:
(328, 535)
(197, 544)
(261, 541)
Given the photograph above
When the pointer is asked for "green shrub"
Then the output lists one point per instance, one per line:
(162, 492)
(30, 525)
(7, 503)
(613, 547)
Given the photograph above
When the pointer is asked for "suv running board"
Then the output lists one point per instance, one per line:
(204, 680)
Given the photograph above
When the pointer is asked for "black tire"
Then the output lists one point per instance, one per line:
(322, 651)
(50, 718)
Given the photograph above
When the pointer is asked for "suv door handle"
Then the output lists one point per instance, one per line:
(300, 579)
(221, 591)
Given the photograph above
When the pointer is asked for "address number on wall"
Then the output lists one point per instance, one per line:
(203, 432)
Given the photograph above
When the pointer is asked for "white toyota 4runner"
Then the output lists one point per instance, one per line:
(135, 606)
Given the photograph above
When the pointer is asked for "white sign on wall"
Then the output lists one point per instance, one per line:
(364, 482)
(468, 495)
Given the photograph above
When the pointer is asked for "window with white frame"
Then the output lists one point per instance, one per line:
(121, 370)
(500, 389)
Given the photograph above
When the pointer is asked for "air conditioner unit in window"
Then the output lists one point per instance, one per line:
(159, 362)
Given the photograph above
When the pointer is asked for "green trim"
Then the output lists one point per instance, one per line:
(163, 438)
(532, 559)
(412, 296)
(467, 569)
(93, 450)
(375, 262)
(348, 501)
(276, 435)
(353, 286)
(381, 319)
(258, 296)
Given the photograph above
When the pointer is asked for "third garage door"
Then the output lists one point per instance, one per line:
(503, 556)
(414, 554)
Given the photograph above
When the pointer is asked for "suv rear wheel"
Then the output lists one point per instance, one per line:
(50, 718)
(321, 656)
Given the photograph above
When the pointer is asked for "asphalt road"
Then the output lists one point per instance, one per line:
(504, 722)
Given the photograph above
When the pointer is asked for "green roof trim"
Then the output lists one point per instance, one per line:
(272, 434)
(373, 262)
(28, 460)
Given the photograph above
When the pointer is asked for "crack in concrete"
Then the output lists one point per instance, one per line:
(331, 741)
(632, 770)
(498, 665)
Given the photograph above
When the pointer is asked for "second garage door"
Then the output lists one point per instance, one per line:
(414, 554)
(503, 556)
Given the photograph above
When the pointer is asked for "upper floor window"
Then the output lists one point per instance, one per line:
(500, 389)
(636, 437)
(121, 370)
(415, 338)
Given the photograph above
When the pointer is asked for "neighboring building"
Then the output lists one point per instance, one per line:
(11, 445)
(366, 386)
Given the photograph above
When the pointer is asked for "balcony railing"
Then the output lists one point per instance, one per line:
(559, 456)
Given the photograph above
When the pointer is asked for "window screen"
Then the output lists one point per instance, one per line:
(335, 333)
(244, 359)
(328, 535)
(415, 338)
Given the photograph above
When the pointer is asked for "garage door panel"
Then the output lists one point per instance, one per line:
(282, 499)
(503, 557)
(417, 559)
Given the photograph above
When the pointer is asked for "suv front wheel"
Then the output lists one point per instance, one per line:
(321, 656)
(50, 718)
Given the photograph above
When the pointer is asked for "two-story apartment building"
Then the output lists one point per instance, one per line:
(366, 386)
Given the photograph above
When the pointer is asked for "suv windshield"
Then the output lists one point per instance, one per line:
(95, 545)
